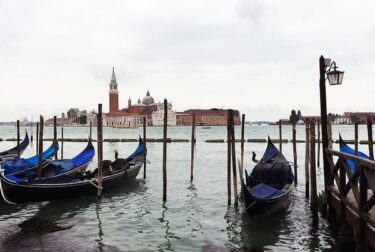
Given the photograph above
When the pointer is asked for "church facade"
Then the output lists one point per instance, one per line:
(134, 114)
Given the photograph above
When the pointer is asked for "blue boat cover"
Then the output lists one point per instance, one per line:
(140, 149)
(264, 192)
(19, 164)
(348, 150)
(64, 165)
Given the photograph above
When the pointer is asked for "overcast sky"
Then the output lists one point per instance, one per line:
(258, 56)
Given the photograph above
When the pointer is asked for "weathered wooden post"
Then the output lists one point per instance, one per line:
(18, 138)
(90, 136)
(62, 135)
(100, 150)
(356, 137)
(55, 132)
(165, 150)
(242, 144)
(229, 156)
(295, 154)
(293, 119)
(314, 195)
(307, 159)
(233, 142)
(41, 125)
(363, 196)
(144, 142)
(280, 137)
(318, 158)
(330, 140)
(370, 141)
(192, 148)
(31, 131)
(37, 139)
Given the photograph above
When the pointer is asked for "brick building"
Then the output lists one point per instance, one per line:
(209, 117)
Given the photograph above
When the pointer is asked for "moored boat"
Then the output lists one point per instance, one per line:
(115, 173)
(269, 185)
(14, 166)
(13, 152)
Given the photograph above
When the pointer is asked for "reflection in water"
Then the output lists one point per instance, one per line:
(100, 232)
(192, 208)
(259, 232)
(167, 233)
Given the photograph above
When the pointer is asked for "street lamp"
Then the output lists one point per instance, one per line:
(334, 78)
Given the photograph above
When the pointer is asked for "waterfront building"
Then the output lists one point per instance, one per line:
(133, 115)
(208, 117)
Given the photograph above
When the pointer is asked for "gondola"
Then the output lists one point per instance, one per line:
(15, 166)
(269, 185)
(63, 166)
(347, 149)
(115, 173)
(13, 152)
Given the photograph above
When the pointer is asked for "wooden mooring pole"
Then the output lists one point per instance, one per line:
(144, 142)
(280, 137)
(37, 139)
(62, 135)
(370, 139)
(192, 148)
(165, 126)
(229, 158)
(307, 159)
(356, 137)
(90, 135)
(295, 154)
(318, 157)
(40, 143)
(242, 144)
(100, 150)
(18, 138)
(234, 169)
(314, 195)
(55, 132)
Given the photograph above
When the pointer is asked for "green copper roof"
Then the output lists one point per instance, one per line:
(113, 79)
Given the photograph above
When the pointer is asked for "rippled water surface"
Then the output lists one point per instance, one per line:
(194, 218)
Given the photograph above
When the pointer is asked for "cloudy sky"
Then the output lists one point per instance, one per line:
(258, 56)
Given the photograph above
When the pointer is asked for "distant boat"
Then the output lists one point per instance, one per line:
(206, 127)
(13, 152)
(270, 183)
(125, 126)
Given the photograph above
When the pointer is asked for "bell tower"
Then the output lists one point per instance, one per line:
(113, 93)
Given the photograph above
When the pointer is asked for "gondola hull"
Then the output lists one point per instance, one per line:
(257, 207)
(16, 193)
(270, 184)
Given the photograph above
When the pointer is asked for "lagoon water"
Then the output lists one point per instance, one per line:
(194, 218)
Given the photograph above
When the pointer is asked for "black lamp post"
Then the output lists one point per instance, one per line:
(334, 78)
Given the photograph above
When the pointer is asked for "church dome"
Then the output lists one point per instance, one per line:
(148, 99)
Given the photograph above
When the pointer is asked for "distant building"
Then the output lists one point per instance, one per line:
(360, 117)
(209, 117)
(133, 115)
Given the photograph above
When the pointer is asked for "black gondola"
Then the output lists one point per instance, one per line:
(14, 166)
(13, 152)
(115, 173)
(270, 183)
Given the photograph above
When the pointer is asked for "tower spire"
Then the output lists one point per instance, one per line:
(113, 79)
